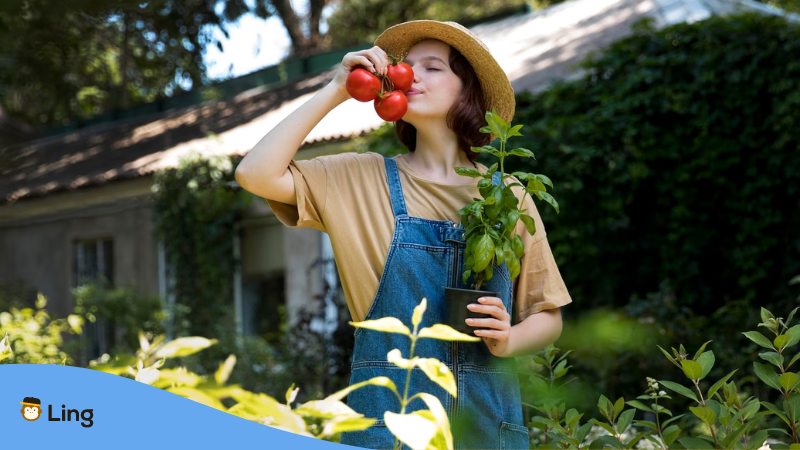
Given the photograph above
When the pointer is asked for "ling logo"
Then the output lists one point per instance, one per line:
(32, 410)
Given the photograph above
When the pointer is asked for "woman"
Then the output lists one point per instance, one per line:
(393, 225)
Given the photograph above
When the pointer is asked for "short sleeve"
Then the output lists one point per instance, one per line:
(310, 187)
(539, 286)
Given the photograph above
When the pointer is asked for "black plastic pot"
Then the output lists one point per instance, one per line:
(457, 312)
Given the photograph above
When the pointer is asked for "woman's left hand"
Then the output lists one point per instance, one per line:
(496, 330)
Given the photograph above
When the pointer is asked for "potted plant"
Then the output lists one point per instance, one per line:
(490, 222)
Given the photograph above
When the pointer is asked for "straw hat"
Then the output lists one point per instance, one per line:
(398, 40)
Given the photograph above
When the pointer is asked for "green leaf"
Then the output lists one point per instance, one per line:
(468, 172)
(794, 335)
(605, 406)
(669, 357)
(780, 341)
(706, 361)
(700, 350)
(716, 386)
(618, 406)
(794, 360)
(766, 315)
(445, 333)
(184, 346)
(625, 420)
(549, 199)
(606, 441)
(788, 381)
(704, 413)
(774, 358)
(384, 324)
(679, 389)
(766, 374)
(670, 434)
(497, 124)
(412, 429)
(523, 152)
(514, 131)
(774, 410)
(484, 251)
(544, 179)
(692, 369)
(759, 339)
(530, 224)
(695, 443)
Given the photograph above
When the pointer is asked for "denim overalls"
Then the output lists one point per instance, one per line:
(424, 257)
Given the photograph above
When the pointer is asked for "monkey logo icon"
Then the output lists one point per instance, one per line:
(31, 408)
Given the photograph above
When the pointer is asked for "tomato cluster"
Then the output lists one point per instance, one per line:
(387, 92)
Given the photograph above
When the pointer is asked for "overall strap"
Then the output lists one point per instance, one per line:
(496, 177)
(395, 189)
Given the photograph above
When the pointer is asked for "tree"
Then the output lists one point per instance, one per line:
(357, 21)
(63, 61)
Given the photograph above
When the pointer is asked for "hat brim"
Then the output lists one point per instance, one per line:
(499, 95)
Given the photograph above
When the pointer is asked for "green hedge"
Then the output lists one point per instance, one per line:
(676, 159)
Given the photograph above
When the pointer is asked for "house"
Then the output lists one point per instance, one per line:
(77, 205)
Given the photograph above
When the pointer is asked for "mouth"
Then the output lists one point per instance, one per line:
(413, 92)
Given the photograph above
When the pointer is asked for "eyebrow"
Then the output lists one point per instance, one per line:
(429, 58)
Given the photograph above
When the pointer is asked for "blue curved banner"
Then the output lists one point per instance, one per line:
(52, 406)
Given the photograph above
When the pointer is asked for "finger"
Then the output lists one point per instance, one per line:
(497, 301)
(488, 323)
(494, 311)
(353, 60)
(380, 59)
(492, 334)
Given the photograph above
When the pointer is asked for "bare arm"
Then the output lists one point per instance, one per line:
(534, 333)
(264, 171)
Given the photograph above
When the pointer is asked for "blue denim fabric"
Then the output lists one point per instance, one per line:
(424, 257)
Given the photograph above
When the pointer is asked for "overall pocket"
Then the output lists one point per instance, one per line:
(513, 436)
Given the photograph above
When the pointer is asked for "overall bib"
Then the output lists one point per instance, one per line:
(425, 256)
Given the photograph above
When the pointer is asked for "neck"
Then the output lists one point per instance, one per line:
(437, 153)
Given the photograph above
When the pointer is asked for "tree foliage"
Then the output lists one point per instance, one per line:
(676, 157)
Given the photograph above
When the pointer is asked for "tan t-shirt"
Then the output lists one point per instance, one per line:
(346, 195)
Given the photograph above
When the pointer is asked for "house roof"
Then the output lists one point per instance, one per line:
(534, 49)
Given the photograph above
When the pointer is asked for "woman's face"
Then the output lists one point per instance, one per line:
(435, 86)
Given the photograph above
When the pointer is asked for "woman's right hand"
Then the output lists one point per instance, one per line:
(374, 59)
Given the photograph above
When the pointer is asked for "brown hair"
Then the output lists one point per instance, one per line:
(466, 116)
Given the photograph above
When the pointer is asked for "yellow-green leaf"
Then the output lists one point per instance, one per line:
(326, 409)
(198, 396)
(345, 424)
(446, 333)
(440, 417)
(413, 430)
(266, 410)
(692, 369)
(75, 323)
(384, 324)
(5, 348)
(439, 373)
(224, 370)
(419, 310)
(376, 381)
(184, 346)
(788, 380)
(396, 358)
(704, 413)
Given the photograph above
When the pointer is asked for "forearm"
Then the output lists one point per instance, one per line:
(271, 156)
(534, 333)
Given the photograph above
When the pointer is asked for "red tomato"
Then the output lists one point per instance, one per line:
(402, 76)
(363, 85)
(392, 106)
